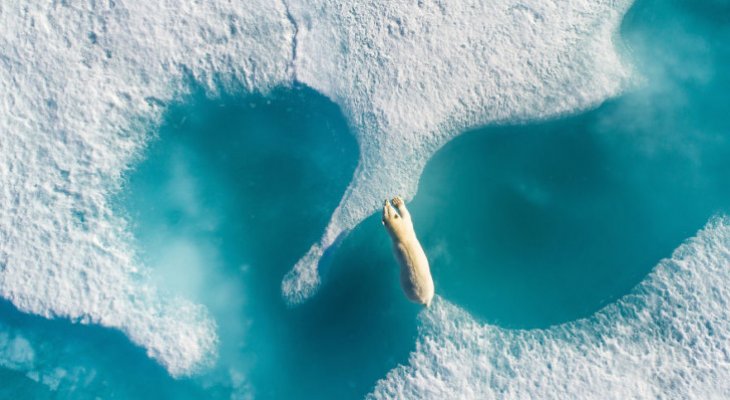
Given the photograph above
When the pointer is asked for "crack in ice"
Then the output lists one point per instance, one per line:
(407, 76)
(295, 34)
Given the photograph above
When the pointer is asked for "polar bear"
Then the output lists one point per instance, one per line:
(415, 275)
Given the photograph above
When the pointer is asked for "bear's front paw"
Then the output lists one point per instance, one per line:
(397, 201)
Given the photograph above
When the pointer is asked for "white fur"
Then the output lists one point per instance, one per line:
(415, 274)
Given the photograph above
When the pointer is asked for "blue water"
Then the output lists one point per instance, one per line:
(229, 197)
(525, 226)
(533, 225)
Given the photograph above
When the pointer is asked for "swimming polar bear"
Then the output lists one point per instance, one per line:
(415, 275)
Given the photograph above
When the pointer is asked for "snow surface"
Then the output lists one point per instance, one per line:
(84, 84)
(665, 340)
(411, 75)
